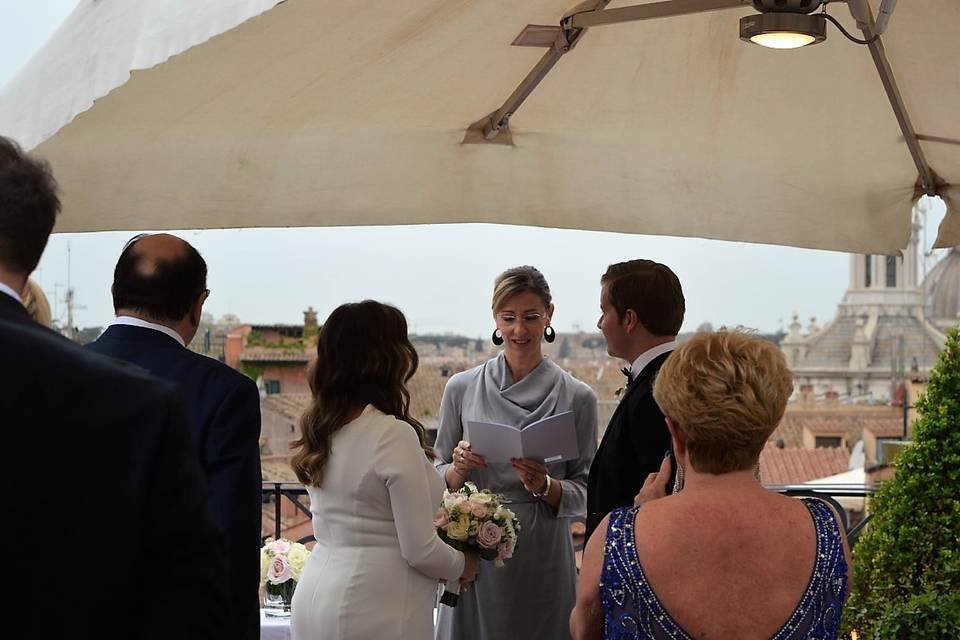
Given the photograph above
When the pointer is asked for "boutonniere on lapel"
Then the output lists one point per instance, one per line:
(619, 392)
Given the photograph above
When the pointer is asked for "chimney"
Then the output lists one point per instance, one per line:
(806, 395)
(309, 318)
(833, 398)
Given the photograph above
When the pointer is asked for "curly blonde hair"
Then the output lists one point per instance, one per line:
(725, 392)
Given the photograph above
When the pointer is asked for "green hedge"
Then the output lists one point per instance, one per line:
(907, 563)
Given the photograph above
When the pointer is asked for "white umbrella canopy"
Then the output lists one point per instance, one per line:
(259, 113)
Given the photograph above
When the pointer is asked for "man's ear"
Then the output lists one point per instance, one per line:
(630, 320)
(197, 309)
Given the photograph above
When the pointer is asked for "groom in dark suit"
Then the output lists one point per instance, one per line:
(642, 305)
(107, 533)
(159, 287)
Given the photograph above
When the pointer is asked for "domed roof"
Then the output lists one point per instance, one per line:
(943, 287)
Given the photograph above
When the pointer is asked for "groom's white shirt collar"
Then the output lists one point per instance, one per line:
(10, 292)
(130, 321)
(650, 355)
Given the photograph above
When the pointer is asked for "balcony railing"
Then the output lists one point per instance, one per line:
(274, 492)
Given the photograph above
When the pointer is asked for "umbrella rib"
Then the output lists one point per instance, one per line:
(862, 13)
(573, 27)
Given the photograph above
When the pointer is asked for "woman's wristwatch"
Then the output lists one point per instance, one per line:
(540, 495)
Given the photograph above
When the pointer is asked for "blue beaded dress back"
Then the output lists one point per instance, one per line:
(632, 611)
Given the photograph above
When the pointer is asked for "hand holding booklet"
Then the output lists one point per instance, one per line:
(550, 439)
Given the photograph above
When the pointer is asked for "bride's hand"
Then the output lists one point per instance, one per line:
(471, 566)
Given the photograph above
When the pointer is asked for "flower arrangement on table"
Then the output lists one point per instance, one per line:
(473, 520)
(281, 563)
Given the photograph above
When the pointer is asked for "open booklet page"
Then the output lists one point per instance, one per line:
(551, 439)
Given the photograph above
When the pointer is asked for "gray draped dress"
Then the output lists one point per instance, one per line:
(532, 595)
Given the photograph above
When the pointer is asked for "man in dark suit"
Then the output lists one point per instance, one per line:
(159, 287)
(642, 305)
(107, 532)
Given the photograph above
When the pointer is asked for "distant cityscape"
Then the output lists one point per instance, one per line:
(856, 377)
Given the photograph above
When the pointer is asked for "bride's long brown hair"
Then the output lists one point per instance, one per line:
(363, 357)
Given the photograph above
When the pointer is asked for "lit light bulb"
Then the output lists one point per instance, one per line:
(782, 40)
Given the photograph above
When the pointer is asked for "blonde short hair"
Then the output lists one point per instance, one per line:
(36, 303)
(520, 280)
(725, 392)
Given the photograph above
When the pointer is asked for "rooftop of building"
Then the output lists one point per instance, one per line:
(794, 465)
(846, 420)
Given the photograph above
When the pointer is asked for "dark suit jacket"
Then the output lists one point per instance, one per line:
(106, 528)
(224, 410)
(632, 448)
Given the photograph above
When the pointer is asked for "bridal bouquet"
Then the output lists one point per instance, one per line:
(281, 563)
(473, 520)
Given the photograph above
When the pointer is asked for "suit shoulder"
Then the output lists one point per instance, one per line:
(43, 350)
(222, 372)
(644, 403)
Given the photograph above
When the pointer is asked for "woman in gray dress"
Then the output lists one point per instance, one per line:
(533, 594)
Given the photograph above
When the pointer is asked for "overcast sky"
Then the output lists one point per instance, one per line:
(440, 275)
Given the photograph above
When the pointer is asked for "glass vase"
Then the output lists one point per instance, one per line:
(277, 599)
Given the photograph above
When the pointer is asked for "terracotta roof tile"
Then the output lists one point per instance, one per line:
(887, 427)
(793, 465)
(289, 405)
(273, 354)
(849, 420)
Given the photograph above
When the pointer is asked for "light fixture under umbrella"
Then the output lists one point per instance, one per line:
(783, 30)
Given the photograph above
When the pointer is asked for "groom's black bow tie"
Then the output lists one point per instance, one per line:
(626, 371)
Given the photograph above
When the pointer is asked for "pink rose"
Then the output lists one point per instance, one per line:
(280, 570)
(489, 535)
(280, 546)
(480, 511)
(466, 507)
(441, 519)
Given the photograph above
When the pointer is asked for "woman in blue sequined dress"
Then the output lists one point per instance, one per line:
(723, 557)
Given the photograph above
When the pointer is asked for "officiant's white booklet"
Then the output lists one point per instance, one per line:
(551, 439)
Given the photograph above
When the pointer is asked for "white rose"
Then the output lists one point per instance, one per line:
(453, 500)
(481, 498)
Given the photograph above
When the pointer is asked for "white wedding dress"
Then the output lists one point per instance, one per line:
(374, 570)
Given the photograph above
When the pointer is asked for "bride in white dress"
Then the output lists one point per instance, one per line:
(373, 488)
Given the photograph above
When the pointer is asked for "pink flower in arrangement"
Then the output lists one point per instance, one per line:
(505, 550)
(441, 518)
(489, 535)
(280, 546)
(280, 570)
(480, 511)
